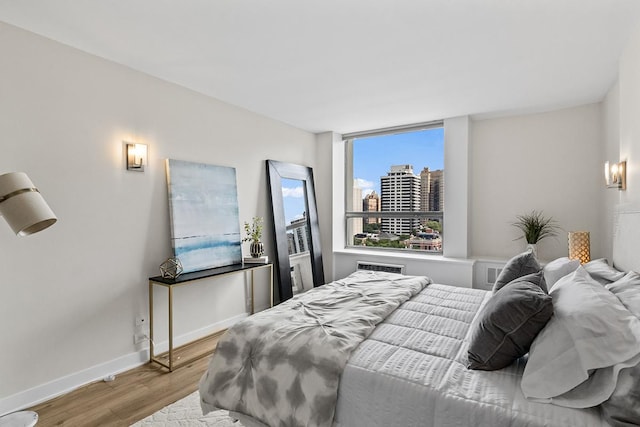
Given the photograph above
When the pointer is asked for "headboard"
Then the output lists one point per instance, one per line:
(626, 240)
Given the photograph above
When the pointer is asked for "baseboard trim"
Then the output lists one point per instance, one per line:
(44, 392)
(163, 346)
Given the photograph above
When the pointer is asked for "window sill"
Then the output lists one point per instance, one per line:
(396, 255)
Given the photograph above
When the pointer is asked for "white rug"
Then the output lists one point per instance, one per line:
(187, 413)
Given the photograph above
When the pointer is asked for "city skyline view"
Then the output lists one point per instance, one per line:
(372, 157)
(293, 199)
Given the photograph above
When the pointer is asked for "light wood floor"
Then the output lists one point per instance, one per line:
(132, 396)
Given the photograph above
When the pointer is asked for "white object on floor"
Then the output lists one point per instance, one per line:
(187, 412)
(19, 419)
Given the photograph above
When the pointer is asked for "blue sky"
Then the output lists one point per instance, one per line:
(293, 199)
(373, 157)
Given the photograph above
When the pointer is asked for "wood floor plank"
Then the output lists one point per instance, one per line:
(132, 396)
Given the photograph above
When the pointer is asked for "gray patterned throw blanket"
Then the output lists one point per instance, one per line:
(282, 366)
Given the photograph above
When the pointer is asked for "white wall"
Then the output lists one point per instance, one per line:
(323, 176)
(629, 76)
(550, 162)
(456, 180)
(624, 254)
(610, 152)
(70, 294)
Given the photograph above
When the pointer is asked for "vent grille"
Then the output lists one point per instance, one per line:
(376, 266)
(492, 274)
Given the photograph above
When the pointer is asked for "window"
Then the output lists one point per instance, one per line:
(395, 188)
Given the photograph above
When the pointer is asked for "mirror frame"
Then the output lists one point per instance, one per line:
(276, 171)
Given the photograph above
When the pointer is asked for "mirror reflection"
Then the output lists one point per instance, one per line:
(298, 234)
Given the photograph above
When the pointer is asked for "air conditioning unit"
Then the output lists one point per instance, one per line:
(492, 274)
(485, 273)
(376, 266)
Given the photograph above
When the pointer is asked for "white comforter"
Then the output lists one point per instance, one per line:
(411, 371)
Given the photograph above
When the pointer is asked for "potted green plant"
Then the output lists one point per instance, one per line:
(535, 227)
(253, 231)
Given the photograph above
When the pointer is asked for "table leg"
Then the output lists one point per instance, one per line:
(151, 321)
(252, 294)
(271, 282)
(170, 328)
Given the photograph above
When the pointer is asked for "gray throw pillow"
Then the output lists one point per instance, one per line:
(518, 266)
(508, 324)
(538, 278)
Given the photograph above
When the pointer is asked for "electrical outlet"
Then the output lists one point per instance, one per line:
(139, 337)
(141, 320)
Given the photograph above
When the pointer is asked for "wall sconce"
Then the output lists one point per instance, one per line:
(136, 156)
(580, 246)
(616, 175)
(22, 205)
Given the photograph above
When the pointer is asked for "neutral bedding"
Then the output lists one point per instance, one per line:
(411, 371)
(282, 366)
(397, 353)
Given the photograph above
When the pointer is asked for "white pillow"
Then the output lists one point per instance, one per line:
(559, 268)
(597, 389)
(590, 329)
(602, 272)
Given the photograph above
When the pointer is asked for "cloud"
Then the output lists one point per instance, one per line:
(296, 192)
(363, 184)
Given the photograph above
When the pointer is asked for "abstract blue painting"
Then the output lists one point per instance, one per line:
(203, 209)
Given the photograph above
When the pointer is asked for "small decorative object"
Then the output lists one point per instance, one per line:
(579, 246)
(256, 260)
(256, 249)
(535, 227)
(254, 234)
(171, 268)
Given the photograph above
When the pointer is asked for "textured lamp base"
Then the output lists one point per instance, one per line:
(19, 419)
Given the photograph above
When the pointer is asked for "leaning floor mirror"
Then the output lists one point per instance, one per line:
(295, 226)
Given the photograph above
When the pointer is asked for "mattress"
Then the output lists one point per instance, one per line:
(411, 371)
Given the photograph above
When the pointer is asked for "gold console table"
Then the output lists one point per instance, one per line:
(185, 279)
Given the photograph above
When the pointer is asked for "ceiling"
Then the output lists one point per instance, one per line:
(353, 65)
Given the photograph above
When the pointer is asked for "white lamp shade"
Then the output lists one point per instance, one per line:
(22, 206)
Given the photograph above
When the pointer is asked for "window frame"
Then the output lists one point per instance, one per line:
(348, 139)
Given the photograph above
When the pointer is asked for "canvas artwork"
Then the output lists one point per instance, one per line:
(203, 208)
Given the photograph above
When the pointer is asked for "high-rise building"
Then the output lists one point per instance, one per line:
(400, 192)
(425, 185)
(431, 190)
(436, 191)
(298, 236)
(371, 203)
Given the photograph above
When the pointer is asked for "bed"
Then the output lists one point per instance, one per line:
(380, 349)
